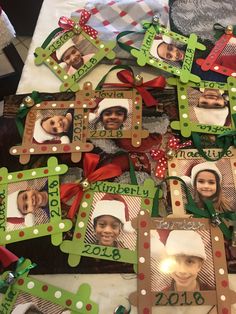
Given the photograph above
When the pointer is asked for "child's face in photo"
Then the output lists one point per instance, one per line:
(112, 118)
(211, 98)
(206, 184)
(57, 124)
(186, 270)
(170, 52)
(107, 230)
(72, 57)
(29, 201)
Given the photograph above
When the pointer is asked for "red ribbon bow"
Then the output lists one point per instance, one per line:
(68, 24)
(129, 80)
(162, 156)
(90, 162)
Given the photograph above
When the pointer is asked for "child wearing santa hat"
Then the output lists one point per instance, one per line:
(70, 58)
(53, 129)
(206, 179)
(212, 107)
(186, 254)
(110, 216)
(110, 114)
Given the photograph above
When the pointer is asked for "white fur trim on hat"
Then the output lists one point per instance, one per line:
(156, 43)
(185, 242)
(12, 208)
(64, 139)
(29, 220)
(22, 308)
(157, 247)
(211, 116)
(40, 135)
(204, 166)
(112, 102)
(60, 51)
(113, 208)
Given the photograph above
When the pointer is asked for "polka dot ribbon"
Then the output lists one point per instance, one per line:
(162, 156)
(69, 24)
(91, 174)
(13, 275)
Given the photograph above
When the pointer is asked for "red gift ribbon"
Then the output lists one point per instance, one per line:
(6, 257)
(91, 174)
(128, 79)
(68, 24)
(161, 156)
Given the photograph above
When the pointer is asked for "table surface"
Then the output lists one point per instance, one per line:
(115, 288)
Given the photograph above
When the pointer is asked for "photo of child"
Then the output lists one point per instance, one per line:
(111, 114)
(209, 106)
(206, 181)
(54, 128)
(187, 251)
(111, 216)
(25, 205)
(73, 54)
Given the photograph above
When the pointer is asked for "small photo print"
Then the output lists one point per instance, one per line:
(212, 181)
(110, 220)
(186, 263)
(27, 204)
(209, 106)
(111, 114)
(28, 304)
(165, 49)
(74, 53)
(53, 126)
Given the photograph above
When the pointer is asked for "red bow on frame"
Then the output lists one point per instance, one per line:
(6, 257)
(129, 80)
(68, 24)
(162, 156)
(91, 174)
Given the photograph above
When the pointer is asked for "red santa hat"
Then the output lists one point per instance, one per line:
(114, 205)
(107, 103)
(61, 50)
(14, 215)
(211, 116)
(157, 247)
(185, 242)
(41, 136)
(156, 42)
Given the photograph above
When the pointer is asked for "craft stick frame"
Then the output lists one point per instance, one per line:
(70, 82)
(182, 165)
(79, 302)
(211, 62)
(134, 131)
(56, 224)
(146, 297)
(185, 125)
(142, 198)
(144, 56)
(78, 144)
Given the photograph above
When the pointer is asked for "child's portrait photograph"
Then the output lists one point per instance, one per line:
(209, 106)
(53, 126)
(29, 304)
(110, 221)
(165, 49)
(74, 53)
(186, 264)
(111, 114)
(27, 204)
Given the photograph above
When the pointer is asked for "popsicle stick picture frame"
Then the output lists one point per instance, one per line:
(168, 51)
(118, 114)
(103, 229)
(222, 57)
(30, 295)
(166, 248)
(196, 173)
(30, 204)
(74, 53)
(205, 107)
(56, 127)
